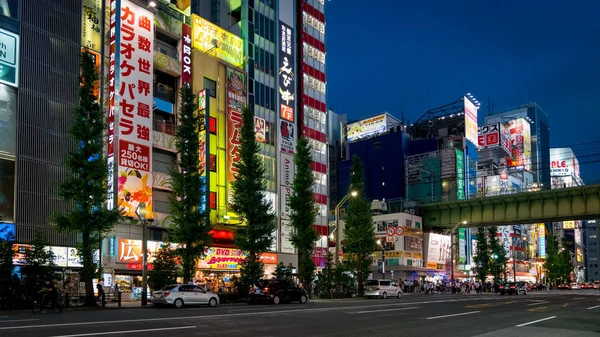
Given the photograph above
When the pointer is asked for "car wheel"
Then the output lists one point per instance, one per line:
(384, 296)
(303, 299)
(178, 303)
(399, 294)
(212, 302)
(276, 299)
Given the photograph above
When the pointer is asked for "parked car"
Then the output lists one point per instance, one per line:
(382, 288)
(523, 288)
(575, 286)
(508, 288)
(277, 291)
(596, 284)
(583, 286)
(179, 295)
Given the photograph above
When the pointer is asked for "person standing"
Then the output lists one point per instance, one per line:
(101, 295)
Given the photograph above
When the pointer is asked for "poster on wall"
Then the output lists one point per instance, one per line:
(287, 139)
(438, 250)
(286, 237)
(236, 101)
(91, 24)
(135, 92)
(470, 111)
(260, 129)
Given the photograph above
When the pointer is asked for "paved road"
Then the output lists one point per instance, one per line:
(568, 314)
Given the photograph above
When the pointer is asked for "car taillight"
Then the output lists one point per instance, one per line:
(377, 288)
(167, 293)
(266, 290)
(512, 287)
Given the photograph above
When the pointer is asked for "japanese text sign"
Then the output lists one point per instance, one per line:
(236, 101)
(208, 37)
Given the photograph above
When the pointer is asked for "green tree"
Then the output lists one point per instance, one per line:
(558, 261)
(256, 236)
(283, 272)
(326, 278)
(303, 212)
(190, 226)
(359, 230)
(565, 263)
(7, 240)
(39, 261)
(86, 183)
(482, 259)
(165, 269)
(498, 261)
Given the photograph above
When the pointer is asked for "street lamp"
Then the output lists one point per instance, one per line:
(380, 243)
(338, 236)
(140, 211)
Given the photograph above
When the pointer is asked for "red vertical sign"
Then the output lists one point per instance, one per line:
(186, 53)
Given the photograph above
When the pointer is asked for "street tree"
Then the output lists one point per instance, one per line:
(326, 278)
(165, 269)
(7, 240)
(249, 202)
(39, 261)
(283, 272)
(86, 183)
(303, 211)
(359, 230)
(190, 225)
(558, 261)
(498, 261)
(482, 259)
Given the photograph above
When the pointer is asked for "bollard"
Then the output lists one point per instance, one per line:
(119, 298)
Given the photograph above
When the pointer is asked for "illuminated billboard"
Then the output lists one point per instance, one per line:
(236, 101)
(438, 249)
(134, 88)
(9, 58)
(214, 40)
(563, 163)
(366, 128)
(494, 135)
(91, 27)
(520, 142)
(470, 111)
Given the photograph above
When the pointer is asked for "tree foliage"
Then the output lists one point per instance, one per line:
(359, 231)
(39, 261)
(7, 240)
(482, 259)
(558, 261)
(499, 260)
(165, 269)
(249, 202)
(326, 279)
(283, 272)
(190, 226)
(86, 183)
(303, 212)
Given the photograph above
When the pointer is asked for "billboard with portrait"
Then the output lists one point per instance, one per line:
(438, 249)
(520, 141)
(470, 111)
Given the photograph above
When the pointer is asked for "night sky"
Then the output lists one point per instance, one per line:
(424, 54)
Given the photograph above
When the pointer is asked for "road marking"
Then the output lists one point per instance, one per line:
(594, 307)
(128, 331)
(538, 303)
(579, 298)
(538, 309)
(452, 315)
(484, 305)
(19, 320)
(384, 310)
(536, 321)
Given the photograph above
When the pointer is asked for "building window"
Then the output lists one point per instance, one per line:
(211, 87)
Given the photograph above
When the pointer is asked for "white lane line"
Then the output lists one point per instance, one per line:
(452, 315)
(594, 307)
(538, 303)
(127, 331)
(19, 320)
(579, 298)
(384, 310)
(536, 321)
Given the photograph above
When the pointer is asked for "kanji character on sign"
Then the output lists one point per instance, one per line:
(143, 132)
(126, 50)
(144, 65)
(127, 108)
(145, 23)
(126, 68)
(143, 87)
(143, 110)
(126, 126)
(130, 87)
(127, 15)
(144, 44)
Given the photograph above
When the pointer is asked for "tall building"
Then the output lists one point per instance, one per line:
(336, 151)
(540, 137)
(592, 250)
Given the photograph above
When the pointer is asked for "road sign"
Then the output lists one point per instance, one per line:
(390, 231)
(400, 231)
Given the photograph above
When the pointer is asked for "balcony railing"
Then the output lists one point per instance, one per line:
(165, 127)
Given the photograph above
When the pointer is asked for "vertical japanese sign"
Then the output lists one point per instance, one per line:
(460, 175)
(113, 72)
(286, 73)
(470, 111)
(520, 140)
(462, 246)
(202, 153)
(186, 53)
(91, 27)
(135, 107)
(506, 239)
(236, 101)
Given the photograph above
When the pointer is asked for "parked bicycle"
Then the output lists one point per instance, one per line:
(42, 303)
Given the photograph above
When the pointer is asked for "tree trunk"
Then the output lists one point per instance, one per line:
(88, 270)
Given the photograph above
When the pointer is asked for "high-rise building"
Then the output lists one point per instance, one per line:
(592, 250)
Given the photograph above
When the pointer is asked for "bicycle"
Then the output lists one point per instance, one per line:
(40, 304)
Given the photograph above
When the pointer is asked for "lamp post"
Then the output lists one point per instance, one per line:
(140, 211)
(338, 236)
(380, 243)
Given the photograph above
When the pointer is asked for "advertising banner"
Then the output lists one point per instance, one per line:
(470, 111)
(222, 258)
(413, 243)
(287, 170)
(439, 250)
(366, 128)
(8, 121)
(460, 175)
(236, 101)
(91, 27)
(286, 237)
(113, 21)
(520, 138)
(60, 255)
(462, 246)
(260, 129)
(130, 251)
(287, 140)
(186, 53)
(214, 40)
(9, 58)
(494, 135)
(563, 163)
(284, 200)
(506, 238)
(286, 72)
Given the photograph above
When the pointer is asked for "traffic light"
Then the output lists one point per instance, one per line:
(495, 256)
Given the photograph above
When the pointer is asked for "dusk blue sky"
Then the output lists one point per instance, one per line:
(423, 54)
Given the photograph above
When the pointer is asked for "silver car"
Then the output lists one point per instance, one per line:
(179, 295)
(382, 288)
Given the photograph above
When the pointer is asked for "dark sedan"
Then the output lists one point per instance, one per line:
(276, 291)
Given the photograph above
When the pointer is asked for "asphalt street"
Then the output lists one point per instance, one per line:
(564, 314)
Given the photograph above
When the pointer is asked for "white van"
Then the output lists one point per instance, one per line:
(382, 288)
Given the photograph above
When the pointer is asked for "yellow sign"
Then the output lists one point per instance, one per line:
(569, 224)
(91, 26)
(215, 41)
